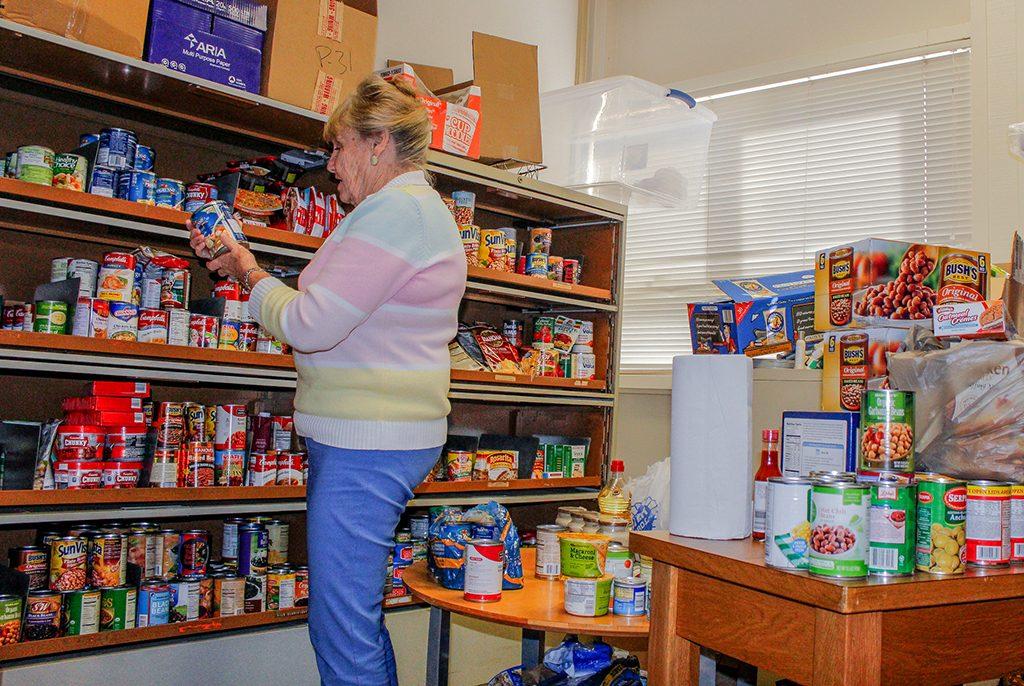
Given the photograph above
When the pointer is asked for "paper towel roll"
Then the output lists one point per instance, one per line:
(712, 463)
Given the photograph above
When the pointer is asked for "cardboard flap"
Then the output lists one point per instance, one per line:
(434, 78)
(506, 72)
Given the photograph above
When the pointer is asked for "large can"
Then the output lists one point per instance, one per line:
(69, 563)
(116, 280)
(629, 597)
(70, 171)
(51, 316)
(549, 554)
(80, 612)
(228, 595)
(154, 604)
(193, 552)
(42, 615)
(230, 427)
(839, 529)
(213, 218)
(887, 431)
(35, 164)
(117, 148)
(988, 523)
(277, 542)
(787, 531)
(1017, 524)
(169, 552)
(118, 607)
(33, 561)
(941, 513)
(892, 546)
(198, 194)
(280, 588)
(137, 186)
(484, 568)
(253, 544)
(108, 560)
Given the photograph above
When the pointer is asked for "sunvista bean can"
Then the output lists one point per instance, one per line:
(839, 529)
(484, 567)
(892, 546)
(887, 431)
(629, 597)
(80, 612)
(941, 515)
(213, 218)
(787, 531)
(69, 563)
(988, 523)
(118, 607)
(108, 560)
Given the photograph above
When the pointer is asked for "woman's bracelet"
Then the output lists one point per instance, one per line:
(245, 277)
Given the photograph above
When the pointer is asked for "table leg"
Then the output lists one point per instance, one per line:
(533, 648)
(847, 649)
(438, 639)
(674, 661)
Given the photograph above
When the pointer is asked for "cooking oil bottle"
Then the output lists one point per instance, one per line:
(614, 498)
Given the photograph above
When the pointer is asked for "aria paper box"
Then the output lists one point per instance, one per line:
(877, 282)
(819, 441)
(762, 316)
(854, 360)
(117, 25)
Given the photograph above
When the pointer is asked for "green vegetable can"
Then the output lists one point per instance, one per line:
(941, 521)
(35, 164)
(839, 529)
(887, 432)
(81, 612)
(892, 547)
(118, 607)
(51, 316)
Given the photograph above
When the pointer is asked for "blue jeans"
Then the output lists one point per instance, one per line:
(355, 499)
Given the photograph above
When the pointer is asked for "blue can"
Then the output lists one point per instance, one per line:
(537, 264)
(211, 219)
(117, 148)
(403, 554)
(419, 525)
(488, 531)
(629, 596)
(137, 186)
(170, 193)
(154, 604)
(103, 181)
(253, 549)
(145, 158)
(87, 139)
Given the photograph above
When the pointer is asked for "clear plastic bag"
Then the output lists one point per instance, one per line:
(649, 509)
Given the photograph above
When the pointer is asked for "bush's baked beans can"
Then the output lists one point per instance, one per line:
(840, 286)
(787, 531)
(154, 604)
(887, 431)
(892, 537)
(549, 556)
(277, 542)
(80, 612)
(33, 561)
(839, 529)
(1017, 524)
(988, 523)
(178, 323)
(853, 370)
(69, 563)
(228, 595)
(118, 607)
(484, 563)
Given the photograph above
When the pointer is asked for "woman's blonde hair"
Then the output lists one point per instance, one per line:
(377, 105)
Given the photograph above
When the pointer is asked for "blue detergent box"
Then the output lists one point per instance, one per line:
(760, 316)
(217, 40)
(819, 441)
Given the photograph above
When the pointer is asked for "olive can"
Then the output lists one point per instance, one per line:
(228, 595)
(839, 529)
(887, 431)
(118, 607)
(941, 520)
(42, 615)
(988, 523)
(10, 619)
(80, 612)
(892, 538)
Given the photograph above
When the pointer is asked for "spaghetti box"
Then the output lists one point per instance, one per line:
(819, 441)
(219, 41)
(763, 316)
(118, 388)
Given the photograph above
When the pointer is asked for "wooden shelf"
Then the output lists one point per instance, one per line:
(111, 639)
(131, 496)
(527, 381)
(514, 485)
(534, 283)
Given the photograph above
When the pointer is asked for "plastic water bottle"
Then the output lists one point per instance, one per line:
(614, 498)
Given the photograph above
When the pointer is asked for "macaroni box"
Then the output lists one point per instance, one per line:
(763, 316)
(854, 360)
(819, 441)
(876, 282)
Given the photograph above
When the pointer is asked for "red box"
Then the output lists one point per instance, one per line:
(139, 389)
(985, 319)
(108, 403)
(105, 418)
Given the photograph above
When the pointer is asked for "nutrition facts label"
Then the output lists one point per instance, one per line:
(988, 520)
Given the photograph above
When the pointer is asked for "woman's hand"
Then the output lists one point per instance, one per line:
(235, 262)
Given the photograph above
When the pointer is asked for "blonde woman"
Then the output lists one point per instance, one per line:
(370, 324)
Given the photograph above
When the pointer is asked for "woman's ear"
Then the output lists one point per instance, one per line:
(379, 142)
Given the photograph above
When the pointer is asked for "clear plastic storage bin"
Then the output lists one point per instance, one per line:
(627, 140)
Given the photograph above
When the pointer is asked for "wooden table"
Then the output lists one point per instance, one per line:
(535, 608)
(915, 630)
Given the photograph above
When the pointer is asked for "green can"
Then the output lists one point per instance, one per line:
(892, 538)
(70, 171)
(839, 529)
(887, 432)
(80, 614)
(941, 521)
(10, 619)
(552, 458)
(50, 316)
(35, 164)
(117, 608)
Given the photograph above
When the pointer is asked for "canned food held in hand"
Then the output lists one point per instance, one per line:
(211, 220)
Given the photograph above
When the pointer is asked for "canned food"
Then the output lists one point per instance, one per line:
(582, 365)
(280, 588)
(14, 316)
(549, 554)
(941, 514)
(91, 318)
(42, 615)
(145, 158)
(840, 286)
(154, 601)
(195, 468)
(70, 172)
(178, 326)
(571, 271)
(35, 165)
(484, 570)
(887, 431)
(117, 148)
(253, 549)
(556, 268)
(537, 265)
(184, 601)
(255, 593)
(464, 206)
(262, 469)
(80, 612)
(277, 542)
(228, 595)
(853, 370)
(588, 597)
(231, 422)
(118, 607)
(512, 329)
(493, 249)
(116, 280)
(193, 552)
(248, 335)
(174, 288)
(204, 331)
(86, 272)
(51, 316)
(583, 555)
(108, 560)
(167, 566)
(33, 561)
(198, 194)
(619, 561)
(839, 522)
(470, 235)
(123, 322)
(1017, 524)
(787, 531)
(170, 193)
(137, 186)
(152, 326)
(289, 469)
(629, 597)
(229, 467)
(213, 218)
(988, 523)
(68, 563)
(892, 538)
(103, 181)
(301, 586)
(10, 619)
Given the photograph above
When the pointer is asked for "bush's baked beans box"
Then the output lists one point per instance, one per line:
(853, 361)
(761, 316)
(876, 282)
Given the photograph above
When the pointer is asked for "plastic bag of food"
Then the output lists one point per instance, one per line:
(451, 531)
(492, 520)
(499, 354)
(649, 511)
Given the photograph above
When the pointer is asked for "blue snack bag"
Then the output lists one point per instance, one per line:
(449, 533)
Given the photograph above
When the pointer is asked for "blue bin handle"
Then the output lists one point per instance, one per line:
(680, 95)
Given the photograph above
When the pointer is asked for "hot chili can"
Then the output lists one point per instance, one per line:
(80, 612)
(118, 607)
(941, 515)
(69, 563)
(887, 431)
(892, 547)
(988, 523)
(839, 529)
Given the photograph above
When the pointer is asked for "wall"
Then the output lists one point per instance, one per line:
(440, 33)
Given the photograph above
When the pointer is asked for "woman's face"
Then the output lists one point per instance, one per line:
(350, 162)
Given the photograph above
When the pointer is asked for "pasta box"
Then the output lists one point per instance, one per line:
(761, 316)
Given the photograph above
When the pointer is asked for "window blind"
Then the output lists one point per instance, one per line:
(876, 151)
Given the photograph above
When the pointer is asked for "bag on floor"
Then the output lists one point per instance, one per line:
(451, 531)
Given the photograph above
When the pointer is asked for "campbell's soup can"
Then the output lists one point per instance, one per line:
(204, 331)
(248, 335)
(123, 321)
(289, 469)
(484, 560)
(988, 523)
(262, 469)
(178, 327)
(116, 279)
(14, 316)
(174, 288)
(152, 326)
(198, 194)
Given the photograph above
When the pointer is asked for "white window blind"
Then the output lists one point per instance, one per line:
(877, 151)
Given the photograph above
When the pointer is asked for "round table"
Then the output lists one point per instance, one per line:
(536, 608)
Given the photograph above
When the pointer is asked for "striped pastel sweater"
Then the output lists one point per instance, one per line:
(371, 321)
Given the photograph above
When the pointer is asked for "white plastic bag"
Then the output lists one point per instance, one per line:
(649, 511)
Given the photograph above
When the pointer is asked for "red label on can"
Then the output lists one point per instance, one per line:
(484, 570)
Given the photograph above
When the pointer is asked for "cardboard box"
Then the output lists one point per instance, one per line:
(319, 50)
(506, 72)
(114, 25)
(854, 360)
(877, 282)
(763, 316)
(985, 319)
(434, 78)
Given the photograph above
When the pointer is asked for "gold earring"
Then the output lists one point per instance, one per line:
(374, 160)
